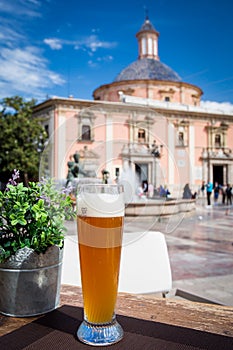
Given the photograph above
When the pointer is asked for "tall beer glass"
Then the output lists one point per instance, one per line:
(100, 228)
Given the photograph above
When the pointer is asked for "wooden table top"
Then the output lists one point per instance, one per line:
(215, 319)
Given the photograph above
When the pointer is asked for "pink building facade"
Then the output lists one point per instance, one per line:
(145, 125)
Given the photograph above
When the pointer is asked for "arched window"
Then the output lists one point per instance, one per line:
(150, 46)
(143, 46)
(86, 133)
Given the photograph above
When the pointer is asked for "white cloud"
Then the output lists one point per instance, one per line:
(90, 43)
(92, 64)
(95, 30)
(25, 8)
(23, 68)
(221, 106)
(35, 2)
(9, 36)
(107, 58)
(24, 71)
(54, 44)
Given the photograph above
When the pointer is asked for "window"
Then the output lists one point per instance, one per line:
(141, 135)
(167, 99)
(86, 119)
(143, 46)
(217, 140)
(117, 172)
(149, 46)
(86, 133)
(181, 138)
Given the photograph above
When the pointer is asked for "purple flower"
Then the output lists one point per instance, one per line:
(67, 190)
(14, 177)
(42, 182)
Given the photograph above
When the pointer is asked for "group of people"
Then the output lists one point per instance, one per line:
(148, 190)
(164, 191)
(145, 190)
(225, 190)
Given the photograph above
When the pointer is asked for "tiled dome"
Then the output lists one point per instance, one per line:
(148, 69)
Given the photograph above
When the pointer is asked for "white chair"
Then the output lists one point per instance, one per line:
(145, 264)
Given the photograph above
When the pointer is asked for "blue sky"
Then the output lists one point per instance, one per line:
(62, 48)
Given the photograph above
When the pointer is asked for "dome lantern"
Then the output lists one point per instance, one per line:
(147, 41)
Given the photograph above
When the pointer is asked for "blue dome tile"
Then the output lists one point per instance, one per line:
(148, 69)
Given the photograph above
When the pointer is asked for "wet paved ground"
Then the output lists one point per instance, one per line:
(201, 254)
(200, 248)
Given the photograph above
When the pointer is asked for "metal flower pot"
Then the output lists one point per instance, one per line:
(30, 282)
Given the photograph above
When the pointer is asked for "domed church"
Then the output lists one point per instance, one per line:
(148, 77)
(147, 125)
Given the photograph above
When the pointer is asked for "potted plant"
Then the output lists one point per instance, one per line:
(32, 227)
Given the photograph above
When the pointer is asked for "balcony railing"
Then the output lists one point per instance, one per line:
(217, 152)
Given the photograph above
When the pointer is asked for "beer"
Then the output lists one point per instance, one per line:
(100, 227)
(99, 250)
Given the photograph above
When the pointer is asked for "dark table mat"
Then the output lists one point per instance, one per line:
(57, 330)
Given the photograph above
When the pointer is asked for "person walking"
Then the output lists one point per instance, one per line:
(229, 198)
(209, 189)
(216, 192)
(203, 188)
(229, 194)
(223, 190)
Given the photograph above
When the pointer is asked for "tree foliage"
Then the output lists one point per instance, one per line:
(22, 138)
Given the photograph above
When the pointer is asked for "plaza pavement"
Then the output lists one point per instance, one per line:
(200, 246)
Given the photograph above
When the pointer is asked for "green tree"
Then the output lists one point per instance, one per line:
(22, 138)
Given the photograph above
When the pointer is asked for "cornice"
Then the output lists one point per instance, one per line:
(126, 108)
(149, 82)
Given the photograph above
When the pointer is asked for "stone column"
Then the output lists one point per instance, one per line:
(191, 154)
(109, 144)
(224, 174)
(171, 149)
(157, 179)
(61, 147)
(230, 173)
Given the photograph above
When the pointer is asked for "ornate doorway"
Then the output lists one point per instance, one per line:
(218, 174)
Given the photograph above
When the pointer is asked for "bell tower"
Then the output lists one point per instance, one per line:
(147, 41)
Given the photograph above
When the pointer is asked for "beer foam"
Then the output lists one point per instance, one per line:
(100, 204)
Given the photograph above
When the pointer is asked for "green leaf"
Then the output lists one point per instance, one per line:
(14, 222)
(22, 221)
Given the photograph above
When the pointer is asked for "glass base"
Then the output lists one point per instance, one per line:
(100, 335)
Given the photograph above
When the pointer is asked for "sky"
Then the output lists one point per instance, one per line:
(62, 48)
